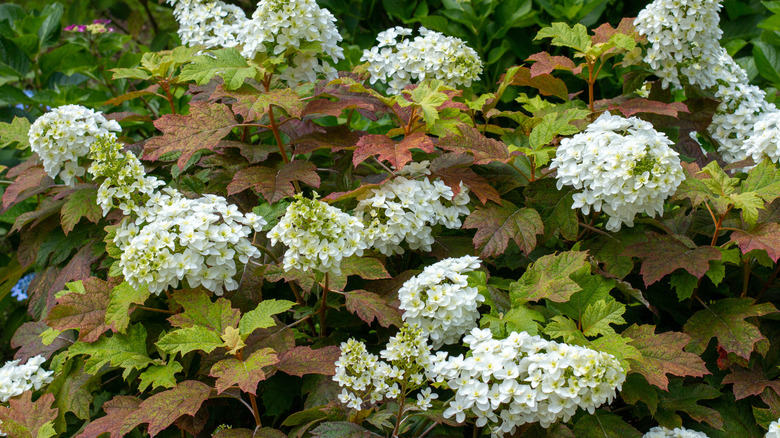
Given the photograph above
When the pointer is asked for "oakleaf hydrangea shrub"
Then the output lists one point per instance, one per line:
(623, 166)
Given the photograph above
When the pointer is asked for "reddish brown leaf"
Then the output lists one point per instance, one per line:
(470, 140)
(275, 184)
(750, 382)
(41, 296)
(84, 312)
(545, 83)
(202, 128)
(640, 105)
(454, 169)
(305, 360)
(79, 267)
(117, 410)
(603, 33)
(336, 107)
(193, 424)
(335, 138)
(244, 373)
(23, 418)
(369, 306)
(398, 154)
(725, 320)
(163, 408)
(546, 63)
(662, 354)
(764, 236)
(27, 340)
(360, 191)
(47, 208)
(496, 224)
(32, 181)
(81, 203)
(151, 90)
(265, 432)
(663, 254)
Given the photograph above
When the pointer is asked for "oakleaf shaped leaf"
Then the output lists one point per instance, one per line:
(368, 306)
(340, 429)
(764, 181)
(598, 316)
(15, 133)
(663, 354)
(603, 424)
(749, 203)
(203, 128)
(550, 277)
(725, 320)
(386, 149)
(160, 376)
(244, 373)
(163, 408)
(453, 169)
(233, 341)
(31, 181)
(195, 337)
(85, 312)
(639, 105)
(663, 254)
(681, 398)
(750, 382)
(594, 288)
(617, 346)
(496, 224)
(117, 409)
(429, 99)
(122, 297)
(260, 317)
(82, 203)
(471, 141)
(306, 360)
(124, 351)
(226, 63)
(554, 125)
(547, 85)
(764, 236)
(693, 186)
(564, 327)
(563, 35)
(200, 310)
(275, 184)
(546, 63)
(24, 418)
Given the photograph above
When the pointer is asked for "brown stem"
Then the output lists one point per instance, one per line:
(745, 276)
(324, 307)
(718, 226)
(152, 309)
(591, 93)
(252, 398)
(400, 411)
(408, 129)
(167, 88)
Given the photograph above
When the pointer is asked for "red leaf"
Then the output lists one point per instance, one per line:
(275, 184)
(117, 410)
(454, 169)
(640, 105)
(335, 138)
(662, 354)
(305, 360)
(470, 140)
(603, 33)
(23, 418)
(27, 339)
(750, 382)
(369, 306)
(163, 408)
(662, 255)
(398, 154)
(151, 90)
(496, 224)
(336, 107)
(545, 83)
(203, 128)
(84, 312)
(244, 373)
(725, 320)
(546, 63)
(763, 236)
(32, 181)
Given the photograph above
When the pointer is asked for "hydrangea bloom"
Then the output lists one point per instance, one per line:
(126, 185)
(764, 143)
(16, 379)
(624, 167)
(366, 378)
(276, 27)
(525, 379)
(677, 432)
(317, 236)
(19, 291)
(774, 430)
(65, 134)
(440, 301)
(404, 210)
(175, 238)
(398, 60)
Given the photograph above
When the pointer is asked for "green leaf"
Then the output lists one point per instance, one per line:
(260, 317)
(496, 224)
(763, 180)
(604, 424)
(122, 297)
(683, 284)
(554, 125)
(184, 340)
(749, 203)
(124, 351)
(562, 35)
(663, 254)
(244, 373)
(594, 288)
(725, 320)
(15, 133)
(72, 389)
(598, 316)
(636, 389)
(686, 399)
(81, 203)
(767, 59)
(199, 310)
(550, 277)
(157, 376)
(618, 346)
(428, 97)
(564, 327)
(225, 63)
(24, 419)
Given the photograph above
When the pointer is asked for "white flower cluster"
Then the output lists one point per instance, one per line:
(317, 236)
(16, 379)
(398, 61)
(126, 185)
(774, 430)
(406, 209)
(65, 134)
(366, 378)
(685, 49)
(276, 27)
(440, 301)
(624, 167)
(677, 432)
(525, 379)
(175, 238)
(765, 141)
